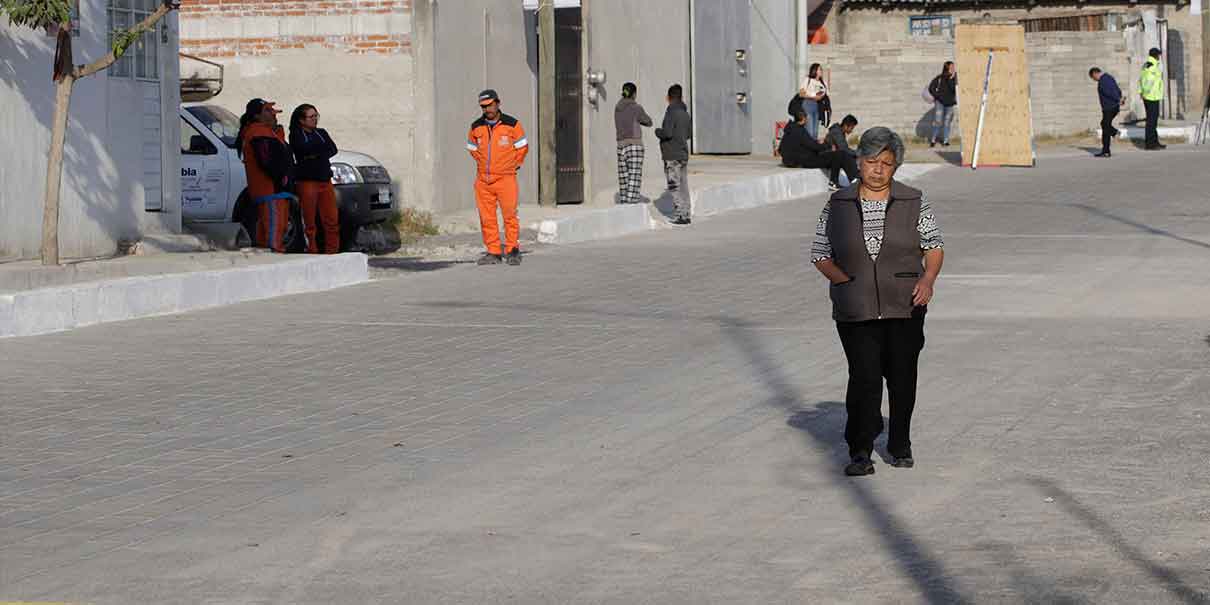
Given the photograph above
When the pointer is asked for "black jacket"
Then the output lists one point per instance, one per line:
(836, 138)
(797, 146)
(675, 132)
(312, 152)
(945, 90)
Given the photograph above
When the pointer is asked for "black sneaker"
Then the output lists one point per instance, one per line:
(861, 465)
(833, 186)
(681, 220)
(513, 258)
(1103, 154)
(489, 259)
(932, 143)
(903, 459)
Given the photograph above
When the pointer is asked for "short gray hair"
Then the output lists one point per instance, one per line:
(879, 139)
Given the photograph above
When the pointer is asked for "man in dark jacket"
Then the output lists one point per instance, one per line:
(674, 135)
(1111, 103)
(944, 90)
(798, 149)
(838, 141)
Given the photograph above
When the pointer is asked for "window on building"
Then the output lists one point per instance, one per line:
(142, 59)
(931, 26)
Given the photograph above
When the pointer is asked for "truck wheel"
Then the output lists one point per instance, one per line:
(295, 239)
(245, 214)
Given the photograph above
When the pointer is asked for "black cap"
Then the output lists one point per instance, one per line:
(257, 105)
(488, 97)
(1155, 52)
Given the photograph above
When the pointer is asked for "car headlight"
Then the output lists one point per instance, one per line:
(344, 174)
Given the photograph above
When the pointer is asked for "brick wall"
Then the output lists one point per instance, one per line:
(233, 28)
(882, 84)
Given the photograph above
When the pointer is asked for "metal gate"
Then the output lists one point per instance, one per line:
(569, 151)
(722, 42)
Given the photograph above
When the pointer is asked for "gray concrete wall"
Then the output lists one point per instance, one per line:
(462, 47)
(102, 198)
(773, 75)
(638, 41)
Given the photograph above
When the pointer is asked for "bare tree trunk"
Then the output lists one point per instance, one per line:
(54, 171)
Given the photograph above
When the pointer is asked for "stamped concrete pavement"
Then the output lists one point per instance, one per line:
(649, 420)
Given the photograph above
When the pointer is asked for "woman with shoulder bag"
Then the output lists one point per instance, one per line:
(813, 91)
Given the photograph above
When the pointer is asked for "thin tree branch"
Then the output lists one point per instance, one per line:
(147, 24)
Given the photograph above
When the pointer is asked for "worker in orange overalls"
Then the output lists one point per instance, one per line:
(498, 144)
(268, 162)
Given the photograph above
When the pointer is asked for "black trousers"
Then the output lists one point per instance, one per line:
(881, 349)
(1153, 122)
(1107, 129)
(833, 161)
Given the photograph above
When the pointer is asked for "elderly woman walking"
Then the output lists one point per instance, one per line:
(879, 245)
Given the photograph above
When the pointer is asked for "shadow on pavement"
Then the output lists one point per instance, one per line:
(1165, 577)
(1034, 588)
(411, 264)
(824, 424)
(1141, 226)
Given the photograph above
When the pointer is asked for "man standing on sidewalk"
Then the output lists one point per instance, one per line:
(497, 143)
(1151, 88)
(629, 117)
(674, 135)
(1111, 103)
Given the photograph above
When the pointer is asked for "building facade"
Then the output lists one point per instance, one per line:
(122, 157)
(880, 55)
(398, 79)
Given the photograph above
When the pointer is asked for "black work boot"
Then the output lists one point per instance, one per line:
(902, 459)
(489, 259)
(861, 465)
(513, 258)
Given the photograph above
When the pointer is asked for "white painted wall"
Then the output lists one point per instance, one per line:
(103, 197)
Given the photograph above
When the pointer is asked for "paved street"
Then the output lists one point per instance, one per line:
(649, 420)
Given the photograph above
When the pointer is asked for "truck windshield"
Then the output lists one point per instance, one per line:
(223, 123)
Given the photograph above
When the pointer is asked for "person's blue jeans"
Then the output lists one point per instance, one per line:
(811, 108)
(943, 118)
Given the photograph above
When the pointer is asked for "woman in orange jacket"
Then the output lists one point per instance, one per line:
(269, 165)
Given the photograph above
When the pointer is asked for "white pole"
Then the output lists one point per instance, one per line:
(800, 42)
(987, 79)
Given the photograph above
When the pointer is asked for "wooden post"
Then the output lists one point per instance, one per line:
(547, 167)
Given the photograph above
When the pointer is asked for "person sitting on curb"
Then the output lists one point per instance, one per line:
(674, 135)
(799, 149)
(838, 141)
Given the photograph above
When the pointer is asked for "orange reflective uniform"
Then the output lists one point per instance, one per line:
(262, 158)
(499, 149)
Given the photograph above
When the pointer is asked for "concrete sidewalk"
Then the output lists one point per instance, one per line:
(717, 184)
(35, 299)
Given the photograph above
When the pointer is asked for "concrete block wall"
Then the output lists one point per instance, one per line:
(352, 59)
(882, 84)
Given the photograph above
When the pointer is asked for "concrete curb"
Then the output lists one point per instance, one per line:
(44, 310)
(1138, 133)
(616, 221)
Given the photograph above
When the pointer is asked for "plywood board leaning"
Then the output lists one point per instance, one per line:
(1007, 124)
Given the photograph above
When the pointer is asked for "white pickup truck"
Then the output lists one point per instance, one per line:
(213, 182)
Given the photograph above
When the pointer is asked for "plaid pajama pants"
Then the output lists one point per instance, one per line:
(630, 174)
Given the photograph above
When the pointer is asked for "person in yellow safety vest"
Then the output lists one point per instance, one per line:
(1151, 87)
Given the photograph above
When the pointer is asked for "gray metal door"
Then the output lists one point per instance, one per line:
(722, 43)
(569, 150)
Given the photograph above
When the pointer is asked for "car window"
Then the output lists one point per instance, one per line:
(223, 123)
(187, 134)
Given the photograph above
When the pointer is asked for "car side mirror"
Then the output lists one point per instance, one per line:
(199, 145)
